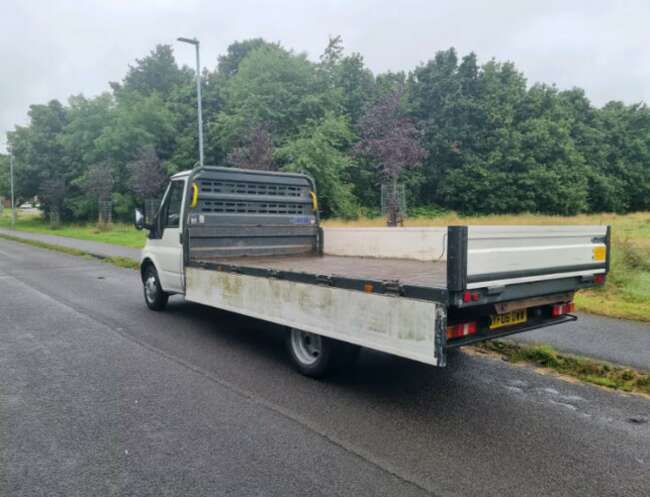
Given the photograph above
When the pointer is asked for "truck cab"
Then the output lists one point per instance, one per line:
(163, 250)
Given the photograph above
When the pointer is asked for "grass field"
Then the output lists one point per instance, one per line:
(118, 234)
(626, 294)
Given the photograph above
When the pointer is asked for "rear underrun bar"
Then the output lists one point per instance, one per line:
(567, 318)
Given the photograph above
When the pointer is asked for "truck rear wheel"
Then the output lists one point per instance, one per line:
(154, 296)
(317, 356)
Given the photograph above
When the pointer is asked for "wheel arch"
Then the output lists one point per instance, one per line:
(146, 262)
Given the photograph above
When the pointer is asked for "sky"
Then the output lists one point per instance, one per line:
(53, 49)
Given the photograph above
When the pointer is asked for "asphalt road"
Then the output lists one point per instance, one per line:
(99, 396)
(616, 340)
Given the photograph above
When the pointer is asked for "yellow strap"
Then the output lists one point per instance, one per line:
(195, 195)
(314, 200)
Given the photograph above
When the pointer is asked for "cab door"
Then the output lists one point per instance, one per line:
(168, 247)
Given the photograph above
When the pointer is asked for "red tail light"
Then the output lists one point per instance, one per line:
(461, 330)
(561, 309)
(599, 279)
(469, 296)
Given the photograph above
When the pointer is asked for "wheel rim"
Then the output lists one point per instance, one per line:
(306, 346)
(151, 288)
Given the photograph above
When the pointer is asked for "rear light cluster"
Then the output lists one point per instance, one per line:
(461, 330)
(471, 296)
(561, 309)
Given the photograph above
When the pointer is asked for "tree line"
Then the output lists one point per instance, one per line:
(460, 135)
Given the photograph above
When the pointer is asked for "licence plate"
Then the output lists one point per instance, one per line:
(508, 319)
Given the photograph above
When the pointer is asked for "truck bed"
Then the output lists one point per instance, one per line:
(429, 274)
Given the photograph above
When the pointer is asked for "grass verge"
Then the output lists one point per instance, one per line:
(582, 368)
(124, 262)
(116, 233)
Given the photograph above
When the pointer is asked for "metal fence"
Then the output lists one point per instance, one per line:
(393, 203)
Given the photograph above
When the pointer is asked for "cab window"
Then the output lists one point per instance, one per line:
(173, 204)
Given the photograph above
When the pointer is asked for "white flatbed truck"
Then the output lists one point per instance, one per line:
(250, 242)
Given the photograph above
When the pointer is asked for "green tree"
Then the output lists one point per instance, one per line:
(39, 155)
(273, 87)
(319, 149)
(5, 186)
(493, 143)
(236, 52)
(350, 84)
(155, 73)
(624, 168)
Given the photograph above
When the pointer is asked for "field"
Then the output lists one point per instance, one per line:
(626, 294)
(117, 233)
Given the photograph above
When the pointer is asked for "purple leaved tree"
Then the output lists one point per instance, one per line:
(256, 153)
(392, 140)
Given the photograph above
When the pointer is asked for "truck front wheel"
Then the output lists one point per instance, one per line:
(154, 296)
(317, 356)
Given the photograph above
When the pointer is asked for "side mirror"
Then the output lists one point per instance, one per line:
(139, 220)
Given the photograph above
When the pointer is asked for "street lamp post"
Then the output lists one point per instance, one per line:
(195, 42)
(13, 200)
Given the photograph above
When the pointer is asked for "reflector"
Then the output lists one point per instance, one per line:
(561, 309)
(461, 330)
(600, 253)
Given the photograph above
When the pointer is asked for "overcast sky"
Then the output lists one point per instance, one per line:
(52, 49)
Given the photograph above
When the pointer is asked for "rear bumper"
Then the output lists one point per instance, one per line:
(523, 291)
(485, 335)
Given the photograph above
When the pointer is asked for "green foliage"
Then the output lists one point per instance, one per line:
(427, 211)
(273, 87)
(493, 143)
(319, 150)
(229, 63)
(155, 73)
(5, 182)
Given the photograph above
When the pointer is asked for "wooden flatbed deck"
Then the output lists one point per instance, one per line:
(429, 274)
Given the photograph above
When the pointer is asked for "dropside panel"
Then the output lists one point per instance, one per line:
(503, 255)
(399, 326)
(421, 244)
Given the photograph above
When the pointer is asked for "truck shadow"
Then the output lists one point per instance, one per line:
(263, 346)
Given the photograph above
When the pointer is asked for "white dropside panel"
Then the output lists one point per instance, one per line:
(422, 244)
(399, 326)
(503, 254)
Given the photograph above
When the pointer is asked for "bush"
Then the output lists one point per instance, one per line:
(634, 258)
(427, 211)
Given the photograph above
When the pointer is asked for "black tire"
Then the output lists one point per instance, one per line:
(154, 296)
(318, 356)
